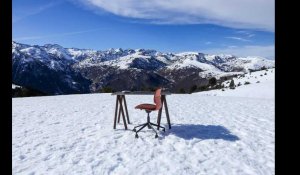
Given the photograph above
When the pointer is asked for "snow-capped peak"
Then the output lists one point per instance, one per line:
(131, 58)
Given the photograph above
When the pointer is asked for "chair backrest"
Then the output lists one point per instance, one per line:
(157, 98)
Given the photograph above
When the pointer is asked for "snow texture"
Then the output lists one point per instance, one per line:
(73, 134)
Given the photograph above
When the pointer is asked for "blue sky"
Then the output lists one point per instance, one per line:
(171, 26)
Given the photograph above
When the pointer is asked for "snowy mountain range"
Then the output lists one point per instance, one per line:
(56, 70)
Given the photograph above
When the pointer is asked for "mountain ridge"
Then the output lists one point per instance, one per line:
(73, 70)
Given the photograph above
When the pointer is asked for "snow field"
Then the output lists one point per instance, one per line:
(73, 134)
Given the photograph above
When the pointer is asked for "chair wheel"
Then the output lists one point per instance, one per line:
(134, 130)
(156, 136)
(136, 136)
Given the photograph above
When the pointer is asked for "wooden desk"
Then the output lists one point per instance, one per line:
(120, 109)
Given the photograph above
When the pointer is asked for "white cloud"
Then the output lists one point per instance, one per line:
(251, 35)
(250, 14)
(237, 38)
(251, 50)
(246, 33)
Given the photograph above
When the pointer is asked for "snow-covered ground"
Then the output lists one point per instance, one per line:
(13, 86)
(261, 86)
(73, 134)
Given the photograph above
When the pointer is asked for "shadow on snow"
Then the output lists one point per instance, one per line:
(190, 131)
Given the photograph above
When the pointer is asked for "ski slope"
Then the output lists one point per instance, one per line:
(261, 86)
(211, 134)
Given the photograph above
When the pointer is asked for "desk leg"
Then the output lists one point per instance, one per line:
(116, 112)
(159, 112)
(125, 104)
(120, 102)
(122, 111)
(167, 111)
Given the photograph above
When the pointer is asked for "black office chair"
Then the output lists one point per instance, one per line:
(149, 108)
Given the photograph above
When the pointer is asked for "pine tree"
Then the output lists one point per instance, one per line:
(212, 81)
(193, 88)
(182, 91)
(231, 85)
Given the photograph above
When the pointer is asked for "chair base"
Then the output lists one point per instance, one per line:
(150, 126)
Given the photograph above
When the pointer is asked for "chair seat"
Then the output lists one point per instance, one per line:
(146, 106)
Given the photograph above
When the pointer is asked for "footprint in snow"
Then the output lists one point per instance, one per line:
(21, 157)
